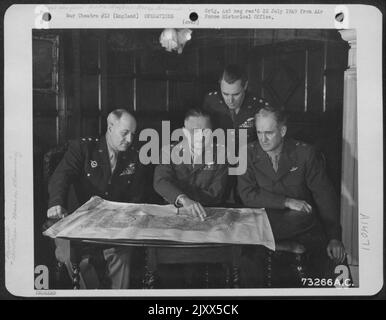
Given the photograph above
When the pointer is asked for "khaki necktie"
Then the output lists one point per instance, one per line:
(233, 114)
(275, 162)
(113, 161)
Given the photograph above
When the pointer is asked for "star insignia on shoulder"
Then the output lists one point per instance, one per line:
(89, 139)
(301, 144)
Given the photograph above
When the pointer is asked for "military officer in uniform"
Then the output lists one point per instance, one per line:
(233, 107)
(107, 167)
(288, 178)
(192, 185)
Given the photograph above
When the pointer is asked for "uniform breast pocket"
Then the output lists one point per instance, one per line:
(125, 179)
(295, 180)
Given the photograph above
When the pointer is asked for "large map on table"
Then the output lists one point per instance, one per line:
(101, 219)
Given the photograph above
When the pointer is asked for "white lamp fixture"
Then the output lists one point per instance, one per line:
(175, 39)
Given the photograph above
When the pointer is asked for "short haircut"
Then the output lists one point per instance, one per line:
(117, 114)
(279, 114)
(196, 112)
(233, 73)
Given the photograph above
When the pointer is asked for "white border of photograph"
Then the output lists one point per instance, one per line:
(19, 21)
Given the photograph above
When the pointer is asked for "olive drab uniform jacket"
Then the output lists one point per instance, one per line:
(204, 182)
(86, 165)
(221, 116)
(301, 175)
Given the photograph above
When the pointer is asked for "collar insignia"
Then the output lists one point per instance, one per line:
(93, 164)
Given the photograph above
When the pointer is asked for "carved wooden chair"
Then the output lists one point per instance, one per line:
(289, 260)
(69, 276)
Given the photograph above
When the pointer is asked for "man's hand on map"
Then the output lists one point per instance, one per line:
(194, 208)
(56, 212)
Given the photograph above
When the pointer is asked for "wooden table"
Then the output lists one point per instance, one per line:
(167, 252)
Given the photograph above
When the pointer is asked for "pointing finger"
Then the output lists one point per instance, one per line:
(306, 208)
(203, 212)
(200, 212)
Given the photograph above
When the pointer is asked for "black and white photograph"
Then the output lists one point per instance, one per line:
(225, 77)
(206, 159)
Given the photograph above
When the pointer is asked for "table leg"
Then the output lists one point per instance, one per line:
(227, 276)
(235, 277)
(150, 269)
(269, 269)
(206, 276)
(236, 255)
(75, 258)
(300, 270)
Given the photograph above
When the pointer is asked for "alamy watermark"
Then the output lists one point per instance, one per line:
(208, 147)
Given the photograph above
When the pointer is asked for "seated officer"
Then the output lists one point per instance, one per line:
(233, 107)
(107, 167)
(286, 174)
(192, 185)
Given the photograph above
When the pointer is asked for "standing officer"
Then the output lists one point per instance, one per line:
(192, 185)
(286, 174)
(233, 107)
(107, 167)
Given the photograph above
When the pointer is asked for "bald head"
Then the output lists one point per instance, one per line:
(121, 127)
(119, 114)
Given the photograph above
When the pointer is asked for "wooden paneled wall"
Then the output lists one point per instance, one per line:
(81, 75)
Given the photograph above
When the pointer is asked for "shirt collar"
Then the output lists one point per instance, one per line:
(111, 151)
(276, 152)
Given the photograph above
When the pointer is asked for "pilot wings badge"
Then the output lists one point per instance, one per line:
(130, 169)
(249, 123)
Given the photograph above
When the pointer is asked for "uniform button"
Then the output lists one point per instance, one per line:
(106, 193)
(88, 174)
